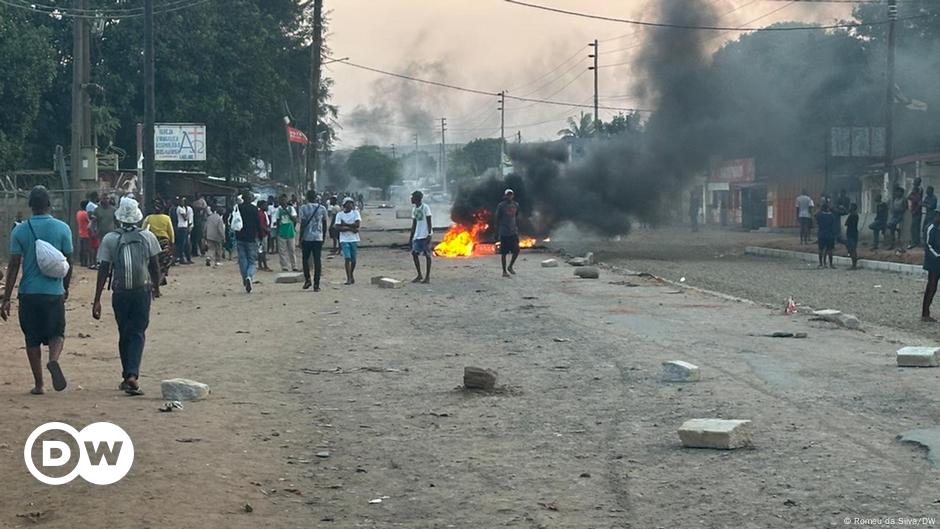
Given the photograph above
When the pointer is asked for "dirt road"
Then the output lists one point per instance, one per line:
(324, 403)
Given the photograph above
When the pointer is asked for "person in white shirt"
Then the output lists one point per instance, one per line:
(184, 225)
(421, 233)
(348, 223)
(804, 212)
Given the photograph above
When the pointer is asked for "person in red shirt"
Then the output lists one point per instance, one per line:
(263, 233)
(84, 235)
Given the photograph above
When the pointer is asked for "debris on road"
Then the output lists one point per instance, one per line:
(289, 278)
(790, 306)
(171, 405)
(680, 371)
(838, 317)
(181, 389)
(587, 272)
(918, 357)
(387, 282)
(479, 378)
(928, 438)
(550, 263)
(719, 434)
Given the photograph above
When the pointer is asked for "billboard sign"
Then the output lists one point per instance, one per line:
(733, 171)
(179, 142)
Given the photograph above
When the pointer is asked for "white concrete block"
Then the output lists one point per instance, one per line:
(183, 389)
(550, 263)
(387, 282)
(680, 371)
(720, 434)
(918, 357)
(377, 279)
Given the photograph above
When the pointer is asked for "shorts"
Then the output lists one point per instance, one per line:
(421, 247)
(827, 243)
(851, 243)
(350, 250)
(42, 318)
(508, 244)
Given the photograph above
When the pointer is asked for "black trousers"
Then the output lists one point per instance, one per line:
(929, 292)
(315, 248)
(132, 312)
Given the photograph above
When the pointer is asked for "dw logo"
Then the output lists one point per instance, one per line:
(105, 454)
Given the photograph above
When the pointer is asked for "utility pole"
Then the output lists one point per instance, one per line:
(394, 154)
(889, 96)
(316, 55)
(518, 136)
(78, 114)
(150, 113)
(416, 155)
(444, 154)
(502, 130)
(594, 55)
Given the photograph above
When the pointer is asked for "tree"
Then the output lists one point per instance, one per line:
(622, 125)
(370, 165)
(474, 158)
(583, 128)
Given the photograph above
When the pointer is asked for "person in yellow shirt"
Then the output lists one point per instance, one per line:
(160, 224)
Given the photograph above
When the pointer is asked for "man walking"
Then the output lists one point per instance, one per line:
(915, 204)
(804, 212)
(348, 223)
(929, 204)
(128, 256)
(826, 232)
(184, 225)
(215, 236)
(286, 217)
(247, 241)
(851, 234)
(931, 265)
(84, 247)
(200, 214)
(312, 229)
(421, 233)
(896, 209)
(42, 298)
(881, 221)
(507, 229)
(103, 220)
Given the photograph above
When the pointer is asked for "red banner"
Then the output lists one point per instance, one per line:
(296, 136)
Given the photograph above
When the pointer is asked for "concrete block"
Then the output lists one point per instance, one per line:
(377, 279)
(183, 389)
(387, 282)
(587, 272)
(578, 261)
(720, 434)
(550, 263)
(918, 357)
(839, 318)
(289, 277)
(679, 371)
(479, 378)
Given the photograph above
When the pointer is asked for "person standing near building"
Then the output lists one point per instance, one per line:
(129, 258)
(826, 232)
(851, 234)
(264, 234)
(348, 223)
(880, 223)
(929, 205)
(84, 244)
(804, 212)
(200, 214)
(896, 210)
(247, 241)
(421, 233)
(161, 226)
(286, 233)
(215, 237)
(507, 229)
(334, 210)
(312, 229)
(41, 297)
(931, 265)
(915, 205)
(184, 225)
(103, 219)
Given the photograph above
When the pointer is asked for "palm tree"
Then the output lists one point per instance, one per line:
(579, 129)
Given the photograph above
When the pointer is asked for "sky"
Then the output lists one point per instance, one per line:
(492, 45)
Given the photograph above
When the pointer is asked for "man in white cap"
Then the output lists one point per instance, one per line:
(348, 222)
(507, 229)
(129, 257)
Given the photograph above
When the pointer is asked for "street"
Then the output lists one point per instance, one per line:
(322, 404)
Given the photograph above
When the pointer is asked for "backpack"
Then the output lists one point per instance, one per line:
(52, 263)
(130, 266)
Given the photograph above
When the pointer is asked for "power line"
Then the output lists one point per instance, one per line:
(478, 91)
(646, 23)
(110, 14)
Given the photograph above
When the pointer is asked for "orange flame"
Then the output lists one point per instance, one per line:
(462, 241)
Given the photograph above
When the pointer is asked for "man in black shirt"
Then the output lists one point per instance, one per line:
(851, 234)
(247, 240)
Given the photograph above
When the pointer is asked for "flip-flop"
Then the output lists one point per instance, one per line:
(58, 379)
(36, 391)
(134, 392)
(123, 386)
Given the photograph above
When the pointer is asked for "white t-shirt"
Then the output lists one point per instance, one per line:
(804, 204)
(420, 214)
(184, 217)
(348, 218)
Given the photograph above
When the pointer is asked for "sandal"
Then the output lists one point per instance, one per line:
(132, 388)
(58, 379)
